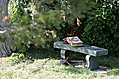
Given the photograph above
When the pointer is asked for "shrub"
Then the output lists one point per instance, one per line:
(101, 27)
(17, 58)
(36, 23)
(39, 25)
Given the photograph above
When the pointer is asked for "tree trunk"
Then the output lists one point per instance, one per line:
(5, 41)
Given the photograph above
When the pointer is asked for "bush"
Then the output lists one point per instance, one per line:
(101, 27)
(36, 23)
(17, 58)
(39, 25)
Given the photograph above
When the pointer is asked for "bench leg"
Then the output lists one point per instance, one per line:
(64, 57)
(92, 62)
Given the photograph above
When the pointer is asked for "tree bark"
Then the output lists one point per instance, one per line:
(5, 44)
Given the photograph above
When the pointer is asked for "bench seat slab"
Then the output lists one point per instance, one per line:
(85, 49)
(93, 53)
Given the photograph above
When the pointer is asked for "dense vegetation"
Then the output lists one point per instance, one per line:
(101, 27)
(40, 23)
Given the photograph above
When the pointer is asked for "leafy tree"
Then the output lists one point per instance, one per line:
(37, 23)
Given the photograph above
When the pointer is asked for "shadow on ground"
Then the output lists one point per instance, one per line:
(43, 53)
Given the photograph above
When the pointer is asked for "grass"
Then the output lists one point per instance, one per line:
(44, 64)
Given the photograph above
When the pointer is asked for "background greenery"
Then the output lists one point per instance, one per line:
(40, 23)
(101, 27)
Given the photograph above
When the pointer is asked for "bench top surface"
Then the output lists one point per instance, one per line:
(86, 49)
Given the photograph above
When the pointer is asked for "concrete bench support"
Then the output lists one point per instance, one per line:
(92, 62)
(64, 57)
(93, 54)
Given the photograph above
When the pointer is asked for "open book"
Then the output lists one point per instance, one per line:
(74, 41)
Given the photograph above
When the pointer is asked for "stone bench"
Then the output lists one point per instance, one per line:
(93, 53)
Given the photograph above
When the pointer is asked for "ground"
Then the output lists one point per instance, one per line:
(44, 65)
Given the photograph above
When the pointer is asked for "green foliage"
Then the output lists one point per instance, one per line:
(101, 27)
(40, 23)
(36, 23)
(79, 6)
(17, 58)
